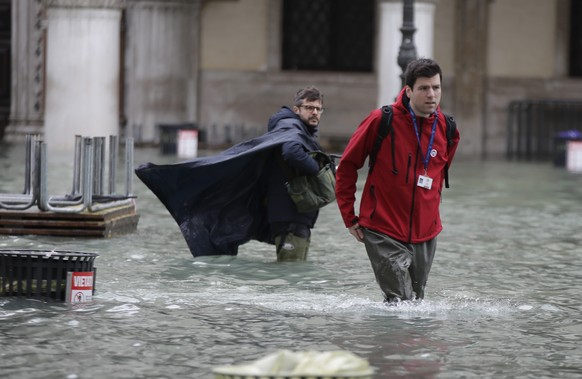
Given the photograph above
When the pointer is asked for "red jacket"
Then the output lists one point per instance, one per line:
(392, 203)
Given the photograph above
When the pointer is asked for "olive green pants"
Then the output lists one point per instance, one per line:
(291, 247)
(401, 269)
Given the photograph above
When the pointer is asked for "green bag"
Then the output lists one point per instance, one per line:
(309, 193)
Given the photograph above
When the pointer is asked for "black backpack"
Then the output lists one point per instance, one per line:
(386, 127)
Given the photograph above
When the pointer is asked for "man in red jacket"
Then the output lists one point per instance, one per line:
(399, 217)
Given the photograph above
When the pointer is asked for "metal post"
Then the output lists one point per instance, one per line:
(42, 187)
(77, 166)
(407, 52)
(28, 166)
(113, 153)
(129, 166)
(36, 169)
(98, 158)
(87, 172)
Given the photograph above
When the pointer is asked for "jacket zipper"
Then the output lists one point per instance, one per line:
(413, 195)
(372, 193)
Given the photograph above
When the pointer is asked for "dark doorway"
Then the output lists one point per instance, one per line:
(5, 30)
(576, 39)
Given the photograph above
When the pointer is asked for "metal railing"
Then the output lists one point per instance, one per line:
(29, 195)
(533, 127)
(88, 172)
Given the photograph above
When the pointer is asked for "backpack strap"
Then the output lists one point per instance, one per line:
(451, 128)
(383, 130)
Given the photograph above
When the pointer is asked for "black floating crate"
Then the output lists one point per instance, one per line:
(41, 274)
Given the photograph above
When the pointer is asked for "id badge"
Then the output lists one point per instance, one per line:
(424, 182)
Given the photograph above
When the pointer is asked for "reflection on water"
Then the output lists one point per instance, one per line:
(502, 300)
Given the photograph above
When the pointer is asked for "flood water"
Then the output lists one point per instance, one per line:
(503, 298)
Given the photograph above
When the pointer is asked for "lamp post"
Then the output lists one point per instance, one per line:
(407, 52)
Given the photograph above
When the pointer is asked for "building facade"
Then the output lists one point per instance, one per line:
(99, 67)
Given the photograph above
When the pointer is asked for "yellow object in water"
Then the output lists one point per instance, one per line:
(285, 364)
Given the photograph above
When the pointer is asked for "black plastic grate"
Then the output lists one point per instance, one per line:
(40, 274)
(534, 128)
(328, 35)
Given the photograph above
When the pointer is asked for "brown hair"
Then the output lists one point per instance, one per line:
(310, 93)
(421, 68)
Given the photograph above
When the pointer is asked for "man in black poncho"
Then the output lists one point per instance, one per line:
(223, 201)
(292, 230)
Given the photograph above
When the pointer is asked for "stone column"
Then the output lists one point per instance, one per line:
(82, 74)
(28, 41)
(471, 19)
(390, 38)
(162, 65)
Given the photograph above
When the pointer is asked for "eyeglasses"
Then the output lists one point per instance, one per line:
(311, 108)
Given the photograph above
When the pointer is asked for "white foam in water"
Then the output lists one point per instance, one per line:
(137, 256)
(128, 309)
(549, 308)
(213, 264)
(37, 320)
(306, 302)
(6, 315)
(323, 304)
(443, 305)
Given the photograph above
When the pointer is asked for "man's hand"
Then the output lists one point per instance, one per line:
(357, 232)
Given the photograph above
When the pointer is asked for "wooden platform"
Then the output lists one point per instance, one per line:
(104, 223)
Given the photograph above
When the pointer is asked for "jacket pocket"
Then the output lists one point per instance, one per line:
(408, 165)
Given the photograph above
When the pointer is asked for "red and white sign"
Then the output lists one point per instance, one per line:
(79, 287)
(187, 143)
(574, 156)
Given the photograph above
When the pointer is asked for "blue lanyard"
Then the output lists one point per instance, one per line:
(432, 134)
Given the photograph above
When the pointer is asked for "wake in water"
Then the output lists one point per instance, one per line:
(438, 307)
(293, 301)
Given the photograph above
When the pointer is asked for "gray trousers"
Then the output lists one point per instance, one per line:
(401, 269)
